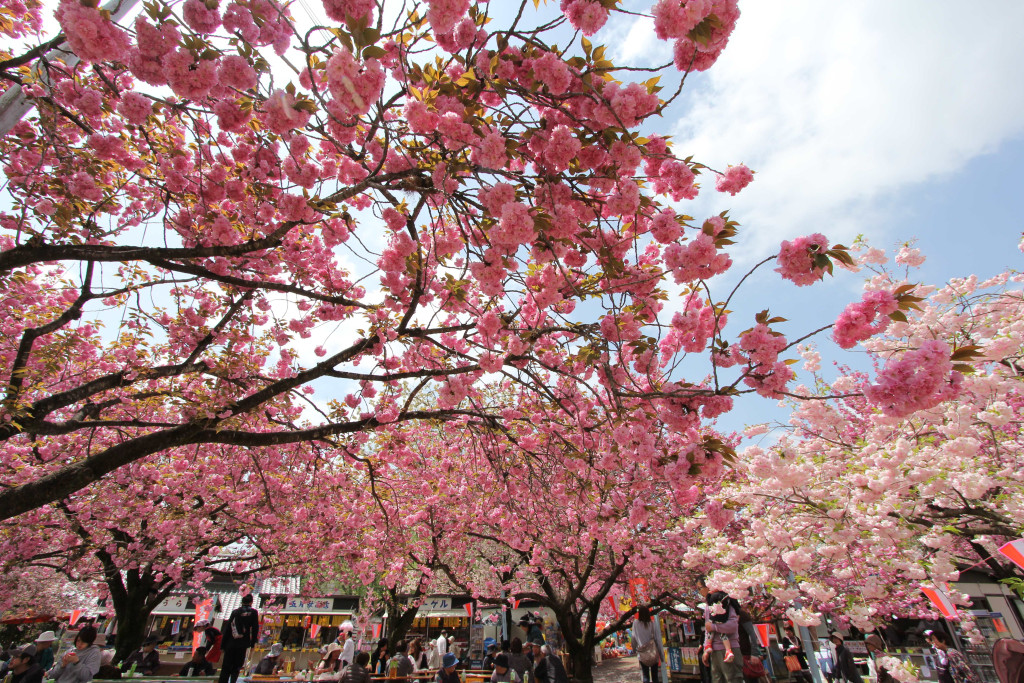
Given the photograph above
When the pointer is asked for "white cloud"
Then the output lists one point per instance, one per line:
(838, 106)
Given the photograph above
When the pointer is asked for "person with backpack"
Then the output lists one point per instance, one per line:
(241, 632)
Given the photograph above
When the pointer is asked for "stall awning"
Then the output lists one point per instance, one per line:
(175, 605)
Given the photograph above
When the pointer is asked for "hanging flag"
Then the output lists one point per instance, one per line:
(175, 627)
(615, 607)
(1014, 551)
(469, 609)
(941, 601)
(204, 610)
(376, 630)
(515, 603)
(638, 591)
(314, 630)
(762, 633)
(76, 614)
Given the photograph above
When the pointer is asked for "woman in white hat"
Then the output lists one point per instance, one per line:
(270, 662)
(44, 650)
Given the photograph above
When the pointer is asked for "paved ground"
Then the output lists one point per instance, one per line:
(621, 670)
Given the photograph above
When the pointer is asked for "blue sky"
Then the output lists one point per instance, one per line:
(896, 121)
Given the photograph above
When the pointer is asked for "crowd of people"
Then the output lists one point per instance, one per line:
(731, 653)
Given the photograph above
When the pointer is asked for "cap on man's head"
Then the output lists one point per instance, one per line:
(24, 651)
(275, 650)
(449, 660)
(201, 624)
(152, 640)
(836, 635)
(46, 637)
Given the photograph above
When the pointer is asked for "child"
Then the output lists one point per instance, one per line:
(720, 609)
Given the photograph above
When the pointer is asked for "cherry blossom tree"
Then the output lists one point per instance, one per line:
(168, 523)
(902, 478)
(547, 504)
(220, 211)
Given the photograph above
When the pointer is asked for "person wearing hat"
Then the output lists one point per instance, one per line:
(447, 674)
(44, 649)
(197, 666)
(845, 667)
(269, 664)
(146, 659)
(492, 652)
(876, 650)
(211, 640)
(503, 673)
(329, 664)
(23, 667)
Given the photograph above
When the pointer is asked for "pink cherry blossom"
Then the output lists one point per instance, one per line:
(734, 180)
(796, 259)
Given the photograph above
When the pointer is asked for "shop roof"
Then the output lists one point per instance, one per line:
(280, 585)
(229, 602)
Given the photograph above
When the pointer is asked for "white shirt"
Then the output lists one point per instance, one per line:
(442, 646)
(348, 651)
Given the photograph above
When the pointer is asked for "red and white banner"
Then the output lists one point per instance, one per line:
(376, 630)
(1014, 551)
(204, 611)
(638, 591)
(615, 605)
(314, 630)
(76, 614)
(469, 609)
(941, 601)
(763, 631)
(515, 603)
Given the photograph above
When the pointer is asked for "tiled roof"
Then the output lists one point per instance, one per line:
(230, 601)
(280, 585)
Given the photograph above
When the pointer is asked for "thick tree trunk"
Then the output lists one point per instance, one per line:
(399, 624)
(132, 613)
(580, 647)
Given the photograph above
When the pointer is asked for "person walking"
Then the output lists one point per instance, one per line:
(348, 644)
(648, 649)
(241, 631)
(845, 667)
(953, 666)
(81, 663)
(716, 634)
(442, 644)
(876, 650)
